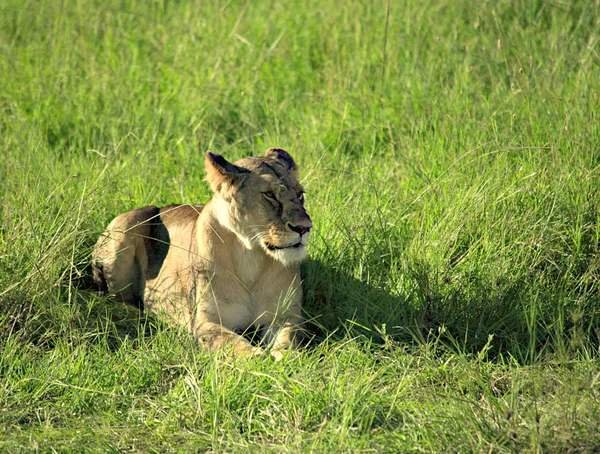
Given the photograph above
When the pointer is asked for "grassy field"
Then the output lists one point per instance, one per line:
(451, 156)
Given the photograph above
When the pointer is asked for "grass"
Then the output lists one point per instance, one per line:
(451, 157)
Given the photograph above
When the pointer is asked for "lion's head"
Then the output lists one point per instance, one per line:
(261, 201)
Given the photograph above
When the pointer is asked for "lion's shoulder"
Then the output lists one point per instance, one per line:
(177, 215)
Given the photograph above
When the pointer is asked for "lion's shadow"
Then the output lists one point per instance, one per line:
(336, 303)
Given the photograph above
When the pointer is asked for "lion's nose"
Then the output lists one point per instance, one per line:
(300, 229)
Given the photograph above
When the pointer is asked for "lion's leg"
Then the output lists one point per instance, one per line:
(119, 258)
(217, 337)
(116, 266)
(284, 330)
(282, 335)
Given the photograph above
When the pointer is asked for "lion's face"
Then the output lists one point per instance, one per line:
(261, 200)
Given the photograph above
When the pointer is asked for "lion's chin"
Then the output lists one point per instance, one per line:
(288, 256)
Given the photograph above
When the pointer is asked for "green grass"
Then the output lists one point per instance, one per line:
(451, 157)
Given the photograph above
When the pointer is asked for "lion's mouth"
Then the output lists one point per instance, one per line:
(272, 247)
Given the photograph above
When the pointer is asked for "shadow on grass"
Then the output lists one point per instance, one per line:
(76, 315)
(514, 318)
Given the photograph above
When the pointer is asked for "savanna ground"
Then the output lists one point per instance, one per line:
(451, 156)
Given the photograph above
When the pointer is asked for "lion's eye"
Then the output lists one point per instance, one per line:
(270, 196)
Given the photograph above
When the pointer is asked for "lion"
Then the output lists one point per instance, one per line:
(221, 268)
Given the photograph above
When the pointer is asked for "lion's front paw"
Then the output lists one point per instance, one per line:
(278, 354)
(248, 351)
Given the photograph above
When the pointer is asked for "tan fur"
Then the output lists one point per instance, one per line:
(221, 268)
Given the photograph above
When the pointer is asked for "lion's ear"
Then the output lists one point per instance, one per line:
(219, 171)
(284, 158)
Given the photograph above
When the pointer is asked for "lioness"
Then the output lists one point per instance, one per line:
(220, 268)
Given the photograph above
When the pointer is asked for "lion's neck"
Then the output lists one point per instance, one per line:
(220, 213)
(230, 249)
